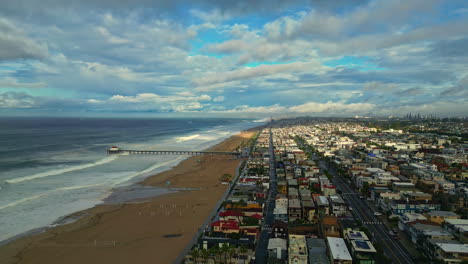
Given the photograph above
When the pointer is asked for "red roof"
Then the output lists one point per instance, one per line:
(256, 216)
(230, 213)
(226, 224)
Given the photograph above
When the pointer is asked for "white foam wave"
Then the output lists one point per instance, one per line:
(21, 201)
(180, 139)
(148, 170)
(64, 170)
(47, 193)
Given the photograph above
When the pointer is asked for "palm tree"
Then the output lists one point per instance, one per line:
(215, 252)
(223, 251)
(195, 255)
(231, 251)
(205, 255)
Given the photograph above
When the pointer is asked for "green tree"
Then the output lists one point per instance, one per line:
(195, 255)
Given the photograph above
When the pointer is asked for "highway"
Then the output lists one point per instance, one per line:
(261, 251)
(380, 234)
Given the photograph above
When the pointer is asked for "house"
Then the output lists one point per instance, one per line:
(440, 216)
(297, 250)
(424, 230)
(451, 253)
(279, 229)
(338, 251)
(226, 227)
(317, 250)
(231, 215)
(400, 207)
(362, 249)
(277, 248)
(308, 211)
(323, 206)
(445, 185)
(403, 186)
(330, 226)
(458, 228)
(406, 218)
(294, 210)
(338, 205)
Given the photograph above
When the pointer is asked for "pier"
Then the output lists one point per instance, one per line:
(116, 151)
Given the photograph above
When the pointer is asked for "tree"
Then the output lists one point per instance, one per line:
(195, 255)
(224, 250)
(243, 250)
(205, 255)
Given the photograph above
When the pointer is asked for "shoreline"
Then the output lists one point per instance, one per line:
(200, 194)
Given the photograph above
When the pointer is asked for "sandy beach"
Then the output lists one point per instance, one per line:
(151, 231)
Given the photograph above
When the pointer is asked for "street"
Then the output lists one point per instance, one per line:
(261, 251)
(380, 234)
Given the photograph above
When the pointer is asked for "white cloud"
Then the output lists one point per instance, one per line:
(218, 99)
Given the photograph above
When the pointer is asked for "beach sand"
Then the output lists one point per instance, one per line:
(136, 232)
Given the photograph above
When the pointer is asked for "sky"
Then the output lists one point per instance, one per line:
(254, 58)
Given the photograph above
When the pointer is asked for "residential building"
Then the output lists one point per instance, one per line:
(297, 250)
(338, 251)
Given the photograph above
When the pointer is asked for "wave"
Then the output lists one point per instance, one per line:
(180, 139)
(64, 170)
(21, 201)
(148, 170)
(48, 193)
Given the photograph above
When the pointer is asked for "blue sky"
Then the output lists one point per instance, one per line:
(252, 58)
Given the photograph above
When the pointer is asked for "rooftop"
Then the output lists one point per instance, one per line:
(443, 214)
(363, 246)
(338, 249)
(453, 248)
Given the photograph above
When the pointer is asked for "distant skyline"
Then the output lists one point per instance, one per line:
(251, 59)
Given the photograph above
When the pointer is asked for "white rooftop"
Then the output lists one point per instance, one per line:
(274, 243)
(338, 249)
(453, 248)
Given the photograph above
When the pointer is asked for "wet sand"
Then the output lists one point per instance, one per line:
(152, 231)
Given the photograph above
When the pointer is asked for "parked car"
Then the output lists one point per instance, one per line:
(377, 214)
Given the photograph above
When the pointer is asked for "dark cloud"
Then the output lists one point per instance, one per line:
(410, 91)
(31, 7)
(451, 48)
(460, 89)
(14, 44)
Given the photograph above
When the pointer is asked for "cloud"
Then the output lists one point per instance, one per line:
(218, 99)
(13, 83)
(379, 87)
(14, 44)
(332, 107)
(460, 89)
(16, 100)
(246, 73)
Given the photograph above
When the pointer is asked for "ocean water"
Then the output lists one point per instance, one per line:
(52, 167)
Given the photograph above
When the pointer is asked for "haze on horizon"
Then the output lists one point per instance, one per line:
(254, 58)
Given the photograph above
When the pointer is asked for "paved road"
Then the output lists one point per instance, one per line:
(261, 251)
(392, 248)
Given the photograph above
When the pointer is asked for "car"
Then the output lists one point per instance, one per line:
(377, 214)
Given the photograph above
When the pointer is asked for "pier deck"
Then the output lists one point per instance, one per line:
(169, 152)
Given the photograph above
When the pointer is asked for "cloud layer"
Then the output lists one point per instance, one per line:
(234, 58)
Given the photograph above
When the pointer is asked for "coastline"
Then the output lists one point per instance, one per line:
(150, 229)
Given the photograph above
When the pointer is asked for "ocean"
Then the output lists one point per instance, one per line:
(52, 167)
